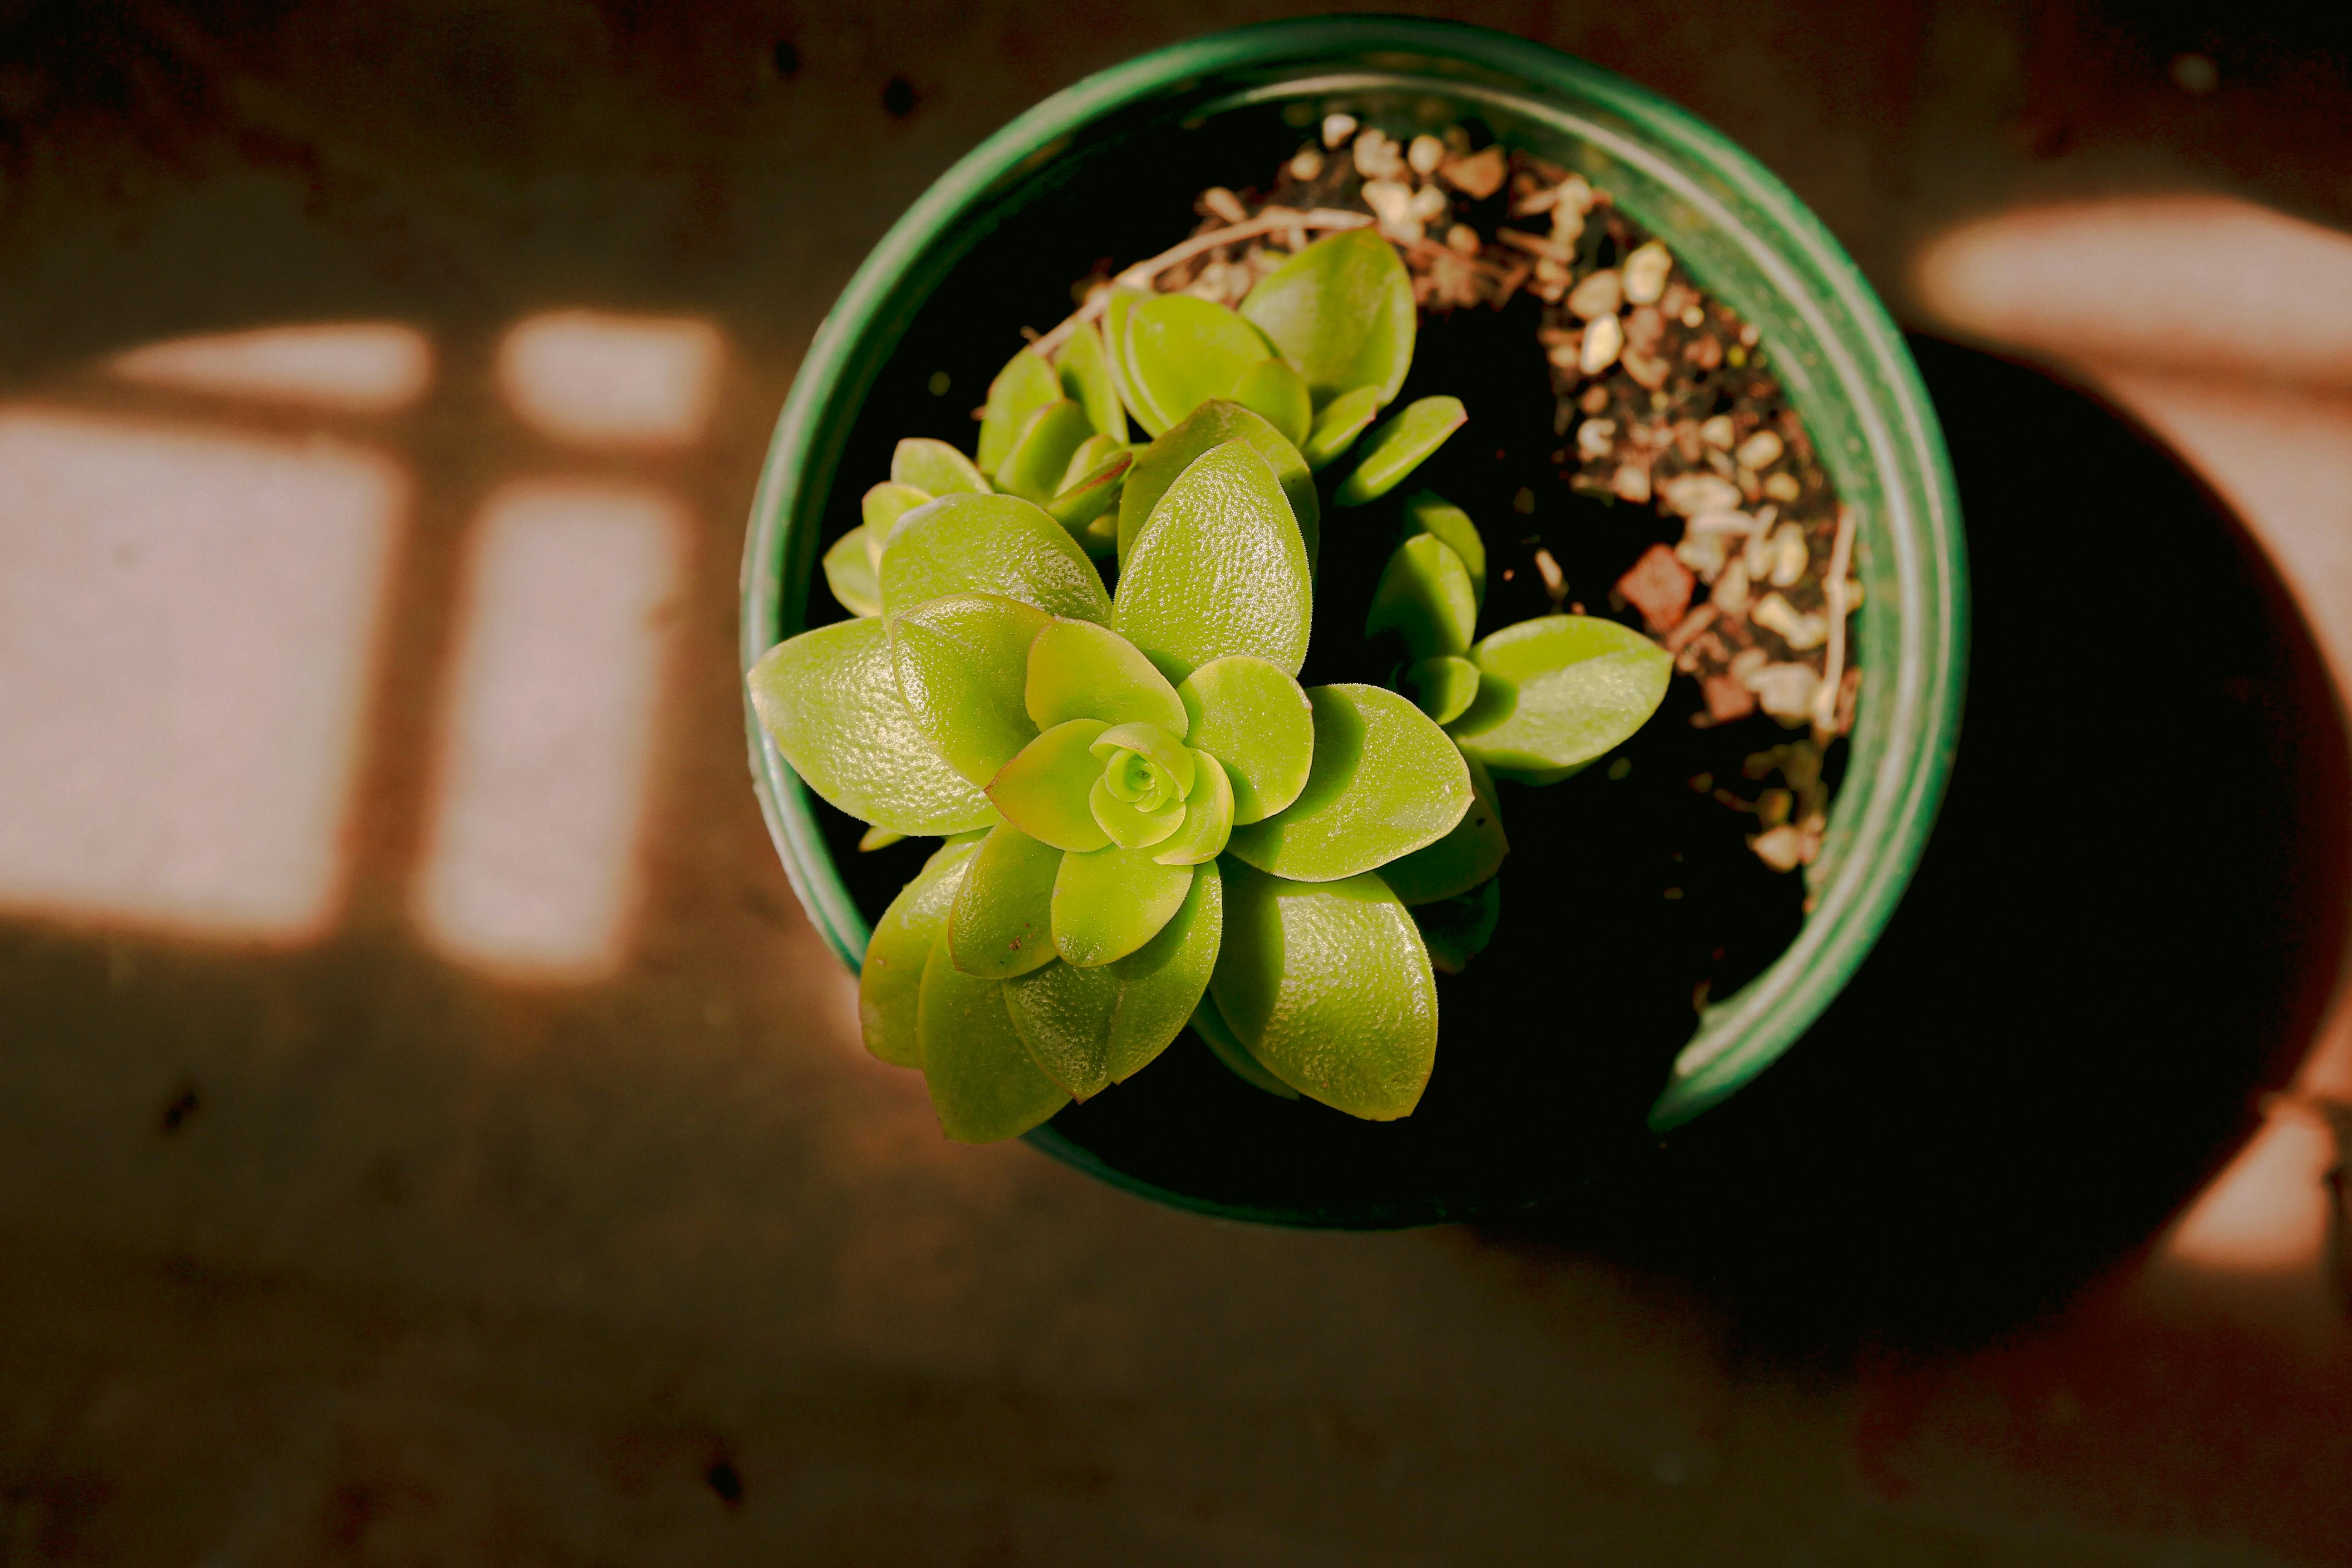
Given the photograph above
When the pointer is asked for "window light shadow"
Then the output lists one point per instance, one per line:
(2268, 1212)
(357, 367)
(594, 379)
(2204, 285)
(189, 622)
(530, 868)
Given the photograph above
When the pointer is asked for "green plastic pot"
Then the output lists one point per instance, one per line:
(1109, 165)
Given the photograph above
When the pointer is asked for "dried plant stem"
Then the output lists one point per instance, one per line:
(1536, 245)
(1825, 697)
(1430, 250)
(1272, 220)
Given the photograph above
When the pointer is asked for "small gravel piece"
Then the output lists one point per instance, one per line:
(1478, 175)
(1602, 341)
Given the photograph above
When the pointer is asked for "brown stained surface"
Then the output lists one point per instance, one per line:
(345, 1238)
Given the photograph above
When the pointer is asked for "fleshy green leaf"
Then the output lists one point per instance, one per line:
(1385, 782)
(1256, 721)
(874, 838)
(849, 573)
(1095, 454)
(1001, 921)
(1218, 1036)
(964, 663)
(1130, 825)
(1041, 453)
(1337, 425)
(1044, 791)
(1086, 499)
(1116, 310)
(1458, 930)
(934, 468)
(881, 508)
(1025, 384)
(1220, 569)
(1182, 351)
(1557, 691)
(890, 979)
(1425, 597)
(1444, 688)
(984, 1085)
(1426, 511)
(1208, 817)
(1111, 902)
(990, 545)
(1211, 425)
(829, 699)
(1088, 1029)
(1342, 312)
(1271, 389)
(1399, 447)
(1085, 370)
(1328, 987)
(1470, 853)
(1079, 671)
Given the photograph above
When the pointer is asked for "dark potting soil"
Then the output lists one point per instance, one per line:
(1629, 896)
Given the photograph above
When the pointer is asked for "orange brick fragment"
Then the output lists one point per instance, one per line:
(1727, 699)
(1659, 586)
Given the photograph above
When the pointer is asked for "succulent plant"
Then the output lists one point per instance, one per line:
(1149, 822)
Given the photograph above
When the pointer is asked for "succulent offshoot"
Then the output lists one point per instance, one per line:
(1338, 423)
(1394, 450)
(1557, 691)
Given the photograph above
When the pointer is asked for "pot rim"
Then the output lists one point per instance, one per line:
(1898, 800)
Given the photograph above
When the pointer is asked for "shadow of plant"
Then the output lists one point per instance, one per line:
(2126, 927)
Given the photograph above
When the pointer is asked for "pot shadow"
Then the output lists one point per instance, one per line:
(2127, 926)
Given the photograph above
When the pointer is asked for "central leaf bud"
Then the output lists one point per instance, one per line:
(1146, 774)
(1109, 768)
(1133, 779)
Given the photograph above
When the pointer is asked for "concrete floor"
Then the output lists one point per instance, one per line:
(355, 1216)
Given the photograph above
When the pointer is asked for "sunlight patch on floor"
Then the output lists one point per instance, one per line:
(2209, 285)
(2269, 1210)
(2224, 326)
(189, 622)
(530, 865)
(356, 367)
(600, 380)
